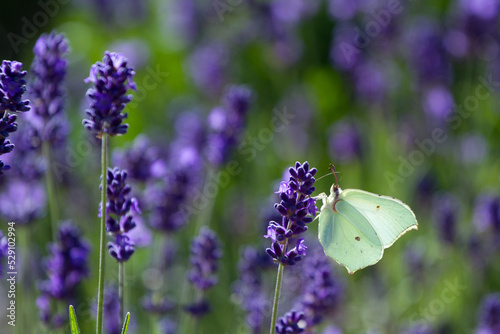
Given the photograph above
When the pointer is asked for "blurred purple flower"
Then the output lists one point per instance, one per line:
(112, 78)
(322, 292)
(226, 123)
(207, 66)
(487, 213)
(172, 198)
(446, 209)
(292, 11)
(489, 315)
(370, 81)
(427, 53)
(22, 201)
(137, 159)
(249, 289)
(46, 89)
(345, 52)
(345, 141)
(205, 252)
(344, 9)
(66, 266)
(438, 102)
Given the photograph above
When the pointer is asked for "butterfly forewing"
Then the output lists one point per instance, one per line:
(389, 217)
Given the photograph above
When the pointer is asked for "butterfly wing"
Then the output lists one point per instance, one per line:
(388, 216)
(348, 238)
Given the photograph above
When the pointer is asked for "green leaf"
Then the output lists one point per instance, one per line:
(72, 320)
(125, 323)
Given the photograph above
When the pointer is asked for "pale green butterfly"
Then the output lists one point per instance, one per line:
(355, 226)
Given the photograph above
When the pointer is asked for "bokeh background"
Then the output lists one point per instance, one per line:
(403, 97)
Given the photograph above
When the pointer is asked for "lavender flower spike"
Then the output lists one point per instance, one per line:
(112, 79)
(205, 251)
(296, 208)
(66, 267)
(121, 210)
(46, 89)
(12, 88)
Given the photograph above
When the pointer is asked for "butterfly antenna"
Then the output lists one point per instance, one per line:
(323, 176)
(334, 171)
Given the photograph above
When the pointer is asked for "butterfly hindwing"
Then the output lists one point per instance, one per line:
(348, 238)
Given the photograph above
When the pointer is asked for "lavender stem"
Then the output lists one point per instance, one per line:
(51, 192)
(272, 330)
(121, 266)
(102, 247)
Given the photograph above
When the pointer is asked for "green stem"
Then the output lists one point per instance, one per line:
(51, 192)
(121, 266)
(104, 182)
(279, 279)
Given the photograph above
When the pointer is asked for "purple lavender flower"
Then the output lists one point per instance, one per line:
(137, 159)
(427, 53)
(207, 66)
(112, 79)
(438, 102)
(489, 315)
(344, 9)
(12, 87)
(205, 252)
(172, 198)
(322, 291)
(46, 89)
(226, 123)
(23, 201)
(345, 141)
(478, 19)
(291, 322)
(249, 289)
(66, 267)
(446, 209)
(487, 213)
(296, 207)
(120, 209)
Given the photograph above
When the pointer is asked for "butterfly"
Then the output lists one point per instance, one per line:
(355, 226)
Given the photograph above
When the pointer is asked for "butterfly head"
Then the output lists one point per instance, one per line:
(335, 187)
